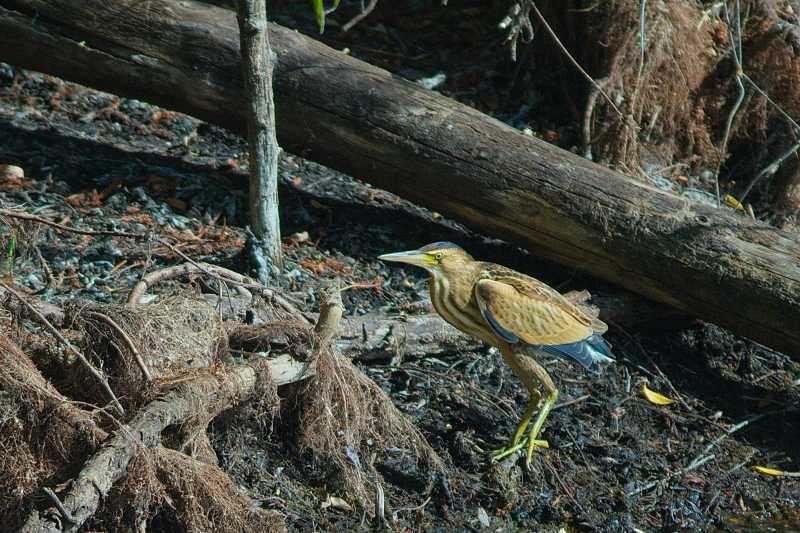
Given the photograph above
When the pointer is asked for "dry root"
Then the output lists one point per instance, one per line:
(346, 420)
(42, 436)
(201, 498)
(160, 469)
(174, 335)
(677, 89)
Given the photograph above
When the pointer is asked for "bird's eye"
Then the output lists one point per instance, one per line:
(438, 256)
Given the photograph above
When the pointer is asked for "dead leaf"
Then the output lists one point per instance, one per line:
(655, 398)
(336, 503)
(176, 203)
(767, 471)
(11, 171)
(483, 517)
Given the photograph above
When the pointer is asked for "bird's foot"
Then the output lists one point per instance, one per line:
(498, 453)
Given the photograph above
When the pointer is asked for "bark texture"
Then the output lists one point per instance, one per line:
(361, 120)
(257, 69)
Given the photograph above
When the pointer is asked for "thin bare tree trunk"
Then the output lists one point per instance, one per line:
(257, 66)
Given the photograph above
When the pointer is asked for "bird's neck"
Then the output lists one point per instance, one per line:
(456, 288)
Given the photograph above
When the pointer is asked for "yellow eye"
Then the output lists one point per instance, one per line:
(438, 256)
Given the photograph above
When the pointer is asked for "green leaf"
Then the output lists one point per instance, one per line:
(12, 245)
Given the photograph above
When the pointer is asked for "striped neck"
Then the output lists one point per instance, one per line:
(456, 305)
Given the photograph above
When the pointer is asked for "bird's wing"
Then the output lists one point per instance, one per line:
(534, 288)
(518, 309)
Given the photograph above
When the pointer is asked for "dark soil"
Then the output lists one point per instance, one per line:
(616, 462)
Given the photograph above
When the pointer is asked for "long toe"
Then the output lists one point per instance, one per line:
(502, 452)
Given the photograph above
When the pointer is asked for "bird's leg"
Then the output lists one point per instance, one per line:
(552, 396)
(536, 397)
(529, 371)
(533, 372)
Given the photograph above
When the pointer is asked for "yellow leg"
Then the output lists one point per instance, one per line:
(517, 442)
(521, 359)
(552, 396)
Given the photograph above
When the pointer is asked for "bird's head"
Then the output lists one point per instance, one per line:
(439, 258)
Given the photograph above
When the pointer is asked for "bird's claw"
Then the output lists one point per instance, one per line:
(509, 449)
(498, 453)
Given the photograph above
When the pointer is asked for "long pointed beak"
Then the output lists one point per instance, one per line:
(414, 257)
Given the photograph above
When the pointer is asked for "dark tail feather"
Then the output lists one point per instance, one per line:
(591, 352)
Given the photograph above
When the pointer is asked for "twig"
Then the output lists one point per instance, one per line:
(736, 44)
(48, 273)
(730, 432)
(572, 60)
(380, 507)
(487, 396)
(696, 463)
(43, 321)
(364, 285)
(208, 228)
(728, 125)
(570, 402)
(361, 16)
(586, 126)
(40, 220)
(408, 509)
(60, 506)
(700, 459)
(110, 322)
(564, 487)
(216, 272)
(771, 101)
(658, 370)
(771, 169)
(642, 9)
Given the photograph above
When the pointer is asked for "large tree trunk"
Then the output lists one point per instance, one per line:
(363, 121)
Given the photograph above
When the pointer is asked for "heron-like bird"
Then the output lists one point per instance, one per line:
(518, 315)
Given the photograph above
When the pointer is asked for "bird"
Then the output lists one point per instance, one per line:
(517, 314)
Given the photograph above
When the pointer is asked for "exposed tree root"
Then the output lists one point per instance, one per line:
(192, 403)
(169, 363)
(345, 420)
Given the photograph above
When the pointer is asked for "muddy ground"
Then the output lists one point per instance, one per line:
(616, 461)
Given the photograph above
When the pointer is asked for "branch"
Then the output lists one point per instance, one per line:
(26, 216)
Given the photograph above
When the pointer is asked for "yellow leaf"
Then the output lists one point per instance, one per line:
(766, 471)
(733, 202)
(656, 398)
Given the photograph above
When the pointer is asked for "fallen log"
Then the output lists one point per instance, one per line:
(361, 120)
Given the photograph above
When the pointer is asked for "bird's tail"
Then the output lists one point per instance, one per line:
(591, 352)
